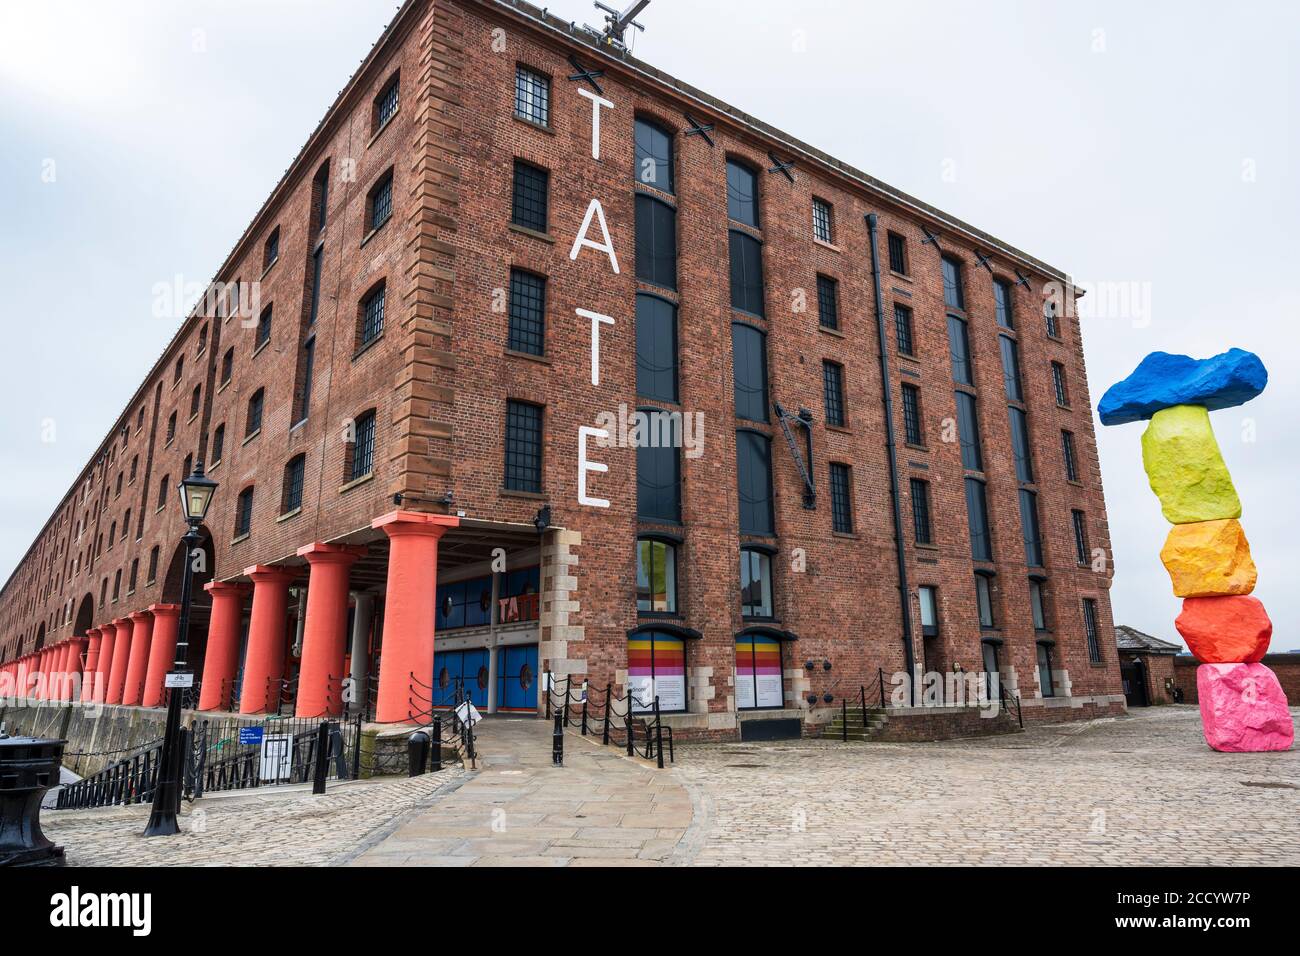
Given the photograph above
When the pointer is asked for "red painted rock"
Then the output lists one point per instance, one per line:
(1232, 629)
(1243, 709)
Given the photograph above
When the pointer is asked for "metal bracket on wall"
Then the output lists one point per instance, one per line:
(805, 420)
(585, 74)
(782, 166)
(1022, 279)
(931, 238)
(698, 129)
(983, 260)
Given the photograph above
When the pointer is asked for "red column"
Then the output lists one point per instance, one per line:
(324, 634)
(138, 663)
(264, 659)
(162, 651)
(121, 657)
(54, 681)
(72, 678)
(222, 659)
(43, 672)
(410, 609)
(96, 672)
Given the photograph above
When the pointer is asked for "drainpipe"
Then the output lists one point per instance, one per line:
(904, 591)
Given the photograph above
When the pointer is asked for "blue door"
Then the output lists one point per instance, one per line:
(517, 678)
(467, 670)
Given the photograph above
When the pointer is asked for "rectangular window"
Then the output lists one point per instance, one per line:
(1049, 316)
(263, 329)
(953, 296)
(903, 329)
(1067, 453)
(755, 583)
(1045, 670)
(984, 600)
(754, 482)
(1002, 304)
(828, 306)
(527, 313)
(528, 206)
(153, 565)
(1036, 604)
(1011, 368)
(1090, 630)
(363, 447)
(532, 96)
(656, 241)
(822, 220)
(322, 191)
(746, 273)
(254, 420)
(897, 254)
(1020, 443)
(1080, 523)
(921, 532)
(1058, 383)
(928, 597)
(653, 155)
(291, 496)
(656, 671)
(742, 194)
(386, 104)
(841, 499)
(977, 520)
(372, 317)
(656, 576)
(968, 432)
(656, 348)
(1029, 528)
(658, 468)
(523, 446)
(759, 681)
(833, 392)
(314, 308)
(244, 513)
(959, 350)
(381, 201)
(308, 371)
(912, 430)
(271, 251)
(218, 443)
(749, 359)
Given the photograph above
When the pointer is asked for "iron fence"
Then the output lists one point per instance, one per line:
(622, 729)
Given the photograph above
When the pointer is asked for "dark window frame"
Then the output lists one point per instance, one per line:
(523, 465)
(530, 196)
(291, 487)
(828, 302)
(526, 312)
(841, 485)
(532, 101)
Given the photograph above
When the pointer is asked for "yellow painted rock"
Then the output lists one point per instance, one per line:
(1185, 468)
(1209, 558)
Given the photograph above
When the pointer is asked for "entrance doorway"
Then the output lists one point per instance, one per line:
(517, 678)
(1134, 676)
(465, 670)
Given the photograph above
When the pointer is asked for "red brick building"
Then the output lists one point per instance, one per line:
(502, 241)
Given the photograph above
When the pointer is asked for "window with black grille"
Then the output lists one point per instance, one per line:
(1090, 630)
(196, 399)
(532, 96)
(527, 313)
(362, 460)
(841, 498)
(1080, 522)
(833, 392)
(171, 427)
(528, 205)
(977, 521)
(656, 348)
(912, 430)
(371, 324)
(381, 201)
(1029, 525)
(754, 482)
(263, 334)
(153, 565)
(921, 531)
(823, 220)
(253, 421)
(658, 468)
(656, 241)
(386, 103)
(903, 329)
(746, 273)
(968, 432)
(1049, 316)
(1002, 304)
(654, 155)
(244, 512)
(742, 193)
(523, 446)
(291, 494)
(227, 365)
(953, 295)
(1058, 384)
(828, 302)
(897, 254)
(1067, 453)
(749, 360)
(163, 490)
(271, 251)
(218, 443)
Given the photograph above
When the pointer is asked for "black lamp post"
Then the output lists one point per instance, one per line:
(196, 495)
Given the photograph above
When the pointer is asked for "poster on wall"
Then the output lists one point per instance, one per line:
(758, 673)
(656, 664)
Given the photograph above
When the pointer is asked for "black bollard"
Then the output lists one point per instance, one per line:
(417, 753)
(437, 744)
(322, 763)
(557, 742)
(28, 768)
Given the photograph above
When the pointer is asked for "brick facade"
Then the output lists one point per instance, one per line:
(439, 377)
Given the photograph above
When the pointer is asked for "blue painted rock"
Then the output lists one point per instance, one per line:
(1162, 380)
(1185, 468)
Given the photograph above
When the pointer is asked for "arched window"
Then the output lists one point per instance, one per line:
(656, 667)
(654, 155)
(253, 422)
(742, 193)
(162, 491)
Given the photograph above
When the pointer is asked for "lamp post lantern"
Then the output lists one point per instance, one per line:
(196, 495)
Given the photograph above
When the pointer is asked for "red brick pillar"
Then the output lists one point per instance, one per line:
(162, 651)
(121, 657)
(410, 610)
(137, 665)
(109, 633)
(264, 660)
(222, 660)
(324, 634)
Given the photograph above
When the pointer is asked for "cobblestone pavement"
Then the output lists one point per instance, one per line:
(278, 826)
(1139, 789)
(601, 808)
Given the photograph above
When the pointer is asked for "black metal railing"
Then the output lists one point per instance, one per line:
(452, 702)
(1011, 704)
(130, 779)
(235, 753)
(593, 707)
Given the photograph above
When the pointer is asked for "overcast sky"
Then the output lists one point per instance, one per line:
(1149, 146)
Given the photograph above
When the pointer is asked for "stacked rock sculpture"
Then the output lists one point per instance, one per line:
(1243, 708)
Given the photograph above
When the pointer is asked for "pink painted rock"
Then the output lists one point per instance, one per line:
(1243, 709)
(1227, 629)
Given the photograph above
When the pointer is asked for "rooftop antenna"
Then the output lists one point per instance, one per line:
(616, 23)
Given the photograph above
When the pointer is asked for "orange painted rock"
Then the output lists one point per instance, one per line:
(1231, 629)
(1243, 709)
(1208, 558)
